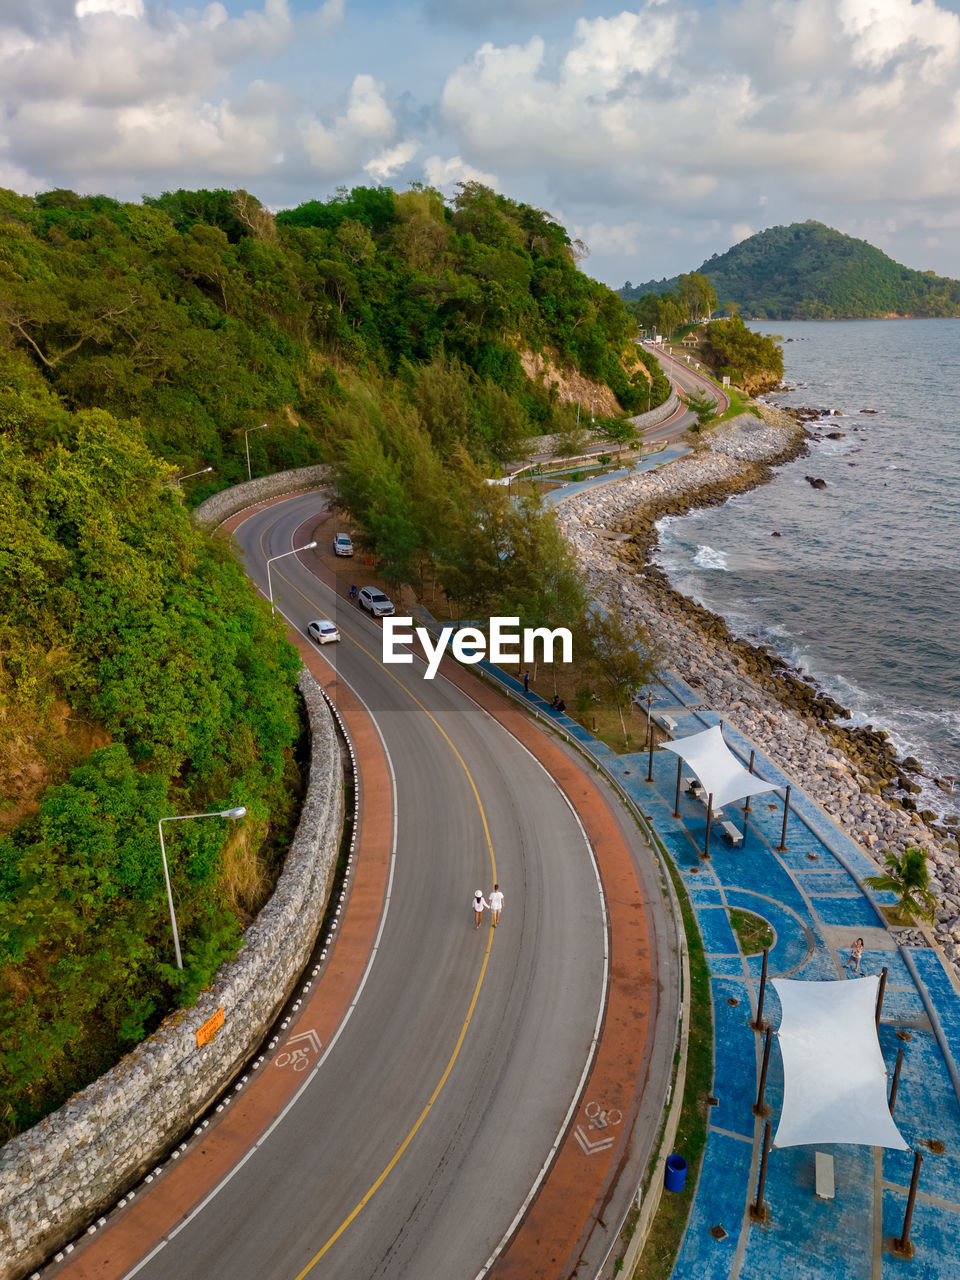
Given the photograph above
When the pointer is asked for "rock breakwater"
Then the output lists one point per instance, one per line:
(852, 772)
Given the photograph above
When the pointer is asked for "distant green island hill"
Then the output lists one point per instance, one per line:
(808, 271)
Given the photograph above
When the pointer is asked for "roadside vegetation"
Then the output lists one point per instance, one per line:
(908, 876)
(139, 677)
(394, 336)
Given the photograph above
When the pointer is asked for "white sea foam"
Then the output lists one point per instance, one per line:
(710, 558)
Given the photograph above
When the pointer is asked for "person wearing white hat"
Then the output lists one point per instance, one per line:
(479, 902)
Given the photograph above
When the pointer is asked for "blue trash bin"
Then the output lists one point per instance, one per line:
(675, 1174)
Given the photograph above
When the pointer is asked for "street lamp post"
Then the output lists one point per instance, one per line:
(308, 547)
(239, 812)
(246, 440)
(190, 474)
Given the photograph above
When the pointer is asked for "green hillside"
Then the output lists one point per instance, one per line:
(140, 676)
(810, 272)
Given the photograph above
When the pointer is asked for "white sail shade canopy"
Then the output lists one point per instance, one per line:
(722, 774)
(834, 1077)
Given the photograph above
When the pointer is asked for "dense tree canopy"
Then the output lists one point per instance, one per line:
(383, 332)
(127, 632)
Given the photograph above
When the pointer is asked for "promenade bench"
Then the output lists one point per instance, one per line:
(733, 834)
(666, 722)
(824, 1175)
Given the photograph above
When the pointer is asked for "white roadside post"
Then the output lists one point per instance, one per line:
(239, 812)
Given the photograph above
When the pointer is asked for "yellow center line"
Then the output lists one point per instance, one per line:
(483, 968)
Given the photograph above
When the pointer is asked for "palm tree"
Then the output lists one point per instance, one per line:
(908, 877)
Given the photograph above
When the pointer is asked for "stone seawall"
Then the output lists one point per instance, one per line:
(220, 506)
(74, 1164)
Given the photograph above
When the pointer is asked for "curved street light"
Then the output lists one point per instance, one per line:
(308, 547)
(239, 812)
(190, 474)
(246, 440)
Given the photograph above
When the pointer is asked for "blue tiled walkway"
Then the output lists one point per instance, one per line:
(812, 896)
(810, 893)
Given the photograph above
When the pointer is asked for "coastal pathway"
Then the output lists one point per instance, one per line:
(812, 896)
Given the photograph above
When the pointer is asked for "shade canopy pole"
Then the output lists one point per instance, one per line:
(676, 805)
(782, 846)
(706, 838)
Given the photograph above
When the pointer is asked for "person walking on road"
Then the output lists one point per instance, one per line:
(479, 902)
(526, 682)
(496, 905)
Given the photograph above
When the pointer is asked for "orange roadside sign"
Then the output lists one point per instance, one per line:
(209, 1028)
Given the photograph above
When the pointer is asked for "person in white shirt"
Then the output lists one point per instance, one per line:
(496, 905)
(479, 902)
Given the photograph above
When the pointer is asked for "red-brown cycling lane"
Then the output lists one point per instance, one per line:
(571, 1200)
(109, 1254)
(550, 1240)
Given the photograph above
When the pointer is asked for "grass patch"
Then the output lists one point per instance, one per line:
(739, 403)
(663, 1244)
(753, 932)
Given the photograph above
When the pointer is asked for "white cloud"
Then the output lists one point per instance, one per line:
(740, 231)
(336, 148)
(128, 8)
(118, 90)
(674, 105)
(445, 174)
(391, 161)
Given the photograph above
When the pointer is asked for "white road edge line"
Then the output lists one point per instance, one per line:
(211, 1195)
(588, 1064)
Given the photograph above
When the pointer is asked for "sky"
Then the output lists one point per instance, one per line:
(657, 133)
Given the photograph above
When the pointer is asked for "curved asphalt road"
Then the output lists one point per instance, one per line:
(537, 983)
(468, 1060)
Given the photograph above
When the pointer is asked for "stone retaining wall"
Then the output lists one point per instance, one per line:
(643, 421)
(58, 1175)
(220, 506)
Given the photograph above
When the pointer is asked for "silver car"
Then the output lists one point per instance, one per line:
(323, 631)
(342, 545)
(373, 599)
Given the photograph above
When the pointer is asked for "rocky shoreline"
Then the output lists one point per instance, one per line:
(852, 772)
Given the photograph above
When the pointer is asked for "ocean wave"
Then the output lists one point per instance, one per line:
(710, 558)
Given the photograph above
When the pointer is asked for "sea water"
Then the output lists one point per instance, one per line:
(861, 590)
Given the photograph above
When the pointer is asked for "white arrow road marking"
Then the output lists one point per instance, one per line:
(591, 1148)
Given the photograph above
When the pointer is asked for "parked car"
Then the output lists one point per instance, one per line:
(323, 631)
(342, 545)
(379, 605)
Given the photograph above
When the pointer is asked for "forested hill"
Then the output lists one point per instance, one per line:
(202, 314)
(808, 271)
(396, 337)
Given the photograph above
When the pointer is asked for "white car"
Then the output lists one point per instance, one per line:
(379, 605)
(342, 545)
(323, 631)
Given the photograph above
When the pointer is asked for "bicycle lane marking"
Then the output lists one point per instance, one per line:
(564, 1209)
(156, 1212)
(558, 1224)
